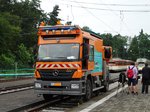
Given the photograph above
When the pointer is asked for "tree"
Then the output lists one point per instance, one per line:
(139, 47)
(23, 55)
(108, 39)
(86, 28)
(117, 43)
(5, 5)
(133, 52)
(10, 32)
(29, 13)
(143, 44)
(53, 16)
(17, 23)
(7, 61)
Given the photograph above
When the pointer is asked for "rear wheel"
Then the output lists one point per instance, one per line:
(106, 86)
(97, 92)
(88, 94)
(47, 96)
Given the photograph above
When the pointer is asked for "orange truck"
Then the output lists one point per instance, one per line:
(70, 61)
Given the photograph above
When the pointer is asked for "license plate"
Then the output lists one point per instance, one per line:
(56, 84)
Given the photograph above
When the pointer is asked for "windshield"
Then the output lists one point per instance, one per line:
(56, 52)
(141, 65)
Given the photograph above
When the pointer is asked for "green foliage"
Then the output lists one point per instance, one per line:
(29, 13)
(53, 16)
(23, 55)
(10, 32)
(18, 34)
(108, 39)
(18, 19)
(133, 51)
(139, 47)
(86, 28)
(117, 42)
(7, 61)
(5, 5)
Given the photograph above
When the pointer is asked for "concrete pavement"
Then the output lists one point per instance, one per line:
(126, 103)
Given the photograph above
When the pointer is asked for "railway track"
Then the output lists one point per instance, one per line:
(15, 79)
(17, 88)
(38, 106)
(57, 103)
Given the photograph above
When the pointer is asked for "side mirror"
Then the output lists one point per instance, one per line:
(85, 49)
(107, 52)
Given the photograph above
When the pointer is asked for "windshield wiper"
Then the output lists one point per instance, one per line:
(45, 58)
(61, 57)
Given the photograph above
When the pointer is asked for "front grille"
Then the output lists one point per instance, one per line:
(56, 75)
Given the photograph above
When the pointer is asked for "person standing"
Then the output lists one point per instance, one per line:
(145, 78)
(132, 73)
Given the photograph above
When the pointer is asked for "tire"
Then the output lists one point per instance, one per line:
(88, 94)
(47, 97)
(97, 93)
(106, 87)
(79, 99)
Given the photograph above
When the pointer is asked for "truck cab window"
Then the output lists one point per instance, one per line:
(91, 53)
(85, 53)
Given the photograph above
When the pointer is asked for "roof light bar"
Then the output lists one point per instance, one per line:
(47, 31)
(50, 28)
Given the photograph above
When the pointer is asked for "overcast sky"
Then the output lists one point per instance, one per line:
(126, 17)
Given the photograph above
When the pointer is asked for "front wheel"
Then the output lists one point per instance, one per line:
(88, 94)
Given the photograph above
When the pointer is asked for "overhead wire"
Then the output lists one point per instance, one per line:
(135, 5)
(98, 19)
(121, 19)
(68, 14)
(112, 9)
(105, 9)
(72, 13)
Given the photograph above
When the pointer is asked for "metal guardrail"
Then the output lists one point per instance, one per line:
(17, 69)
(18, 72)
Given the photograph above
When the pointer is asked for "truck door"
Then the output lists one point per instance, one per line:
(85, 53)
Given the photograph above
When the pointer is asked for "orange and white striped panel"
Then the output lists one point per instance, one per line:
(46, 66)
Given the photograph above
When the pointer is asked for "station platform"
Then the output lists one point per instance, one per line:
(122, 102)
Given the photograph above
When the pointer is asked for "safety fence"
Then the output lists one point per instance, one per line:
(29, 72)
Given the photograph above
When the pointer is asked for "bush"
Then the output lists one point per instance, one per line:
(7, 61)
(23, 56)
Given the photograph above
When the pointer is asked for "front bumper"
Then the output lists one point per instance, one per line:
(64, 87)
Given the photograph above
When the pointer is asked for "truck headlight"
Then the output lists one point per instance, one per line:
(38, 85)
(74, 86)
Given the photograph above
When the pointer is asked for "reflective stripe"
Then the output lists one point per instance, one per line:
(57, 65)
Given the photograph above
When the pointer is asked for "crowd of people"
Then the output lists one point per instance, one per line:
(132, 79)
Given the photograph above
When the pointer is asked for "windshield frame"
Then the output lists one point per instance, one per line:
(58, 60)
